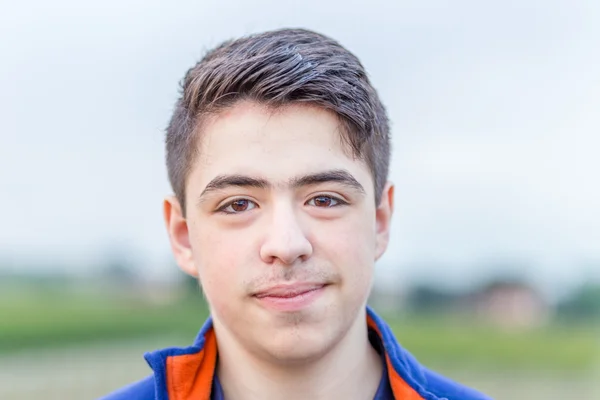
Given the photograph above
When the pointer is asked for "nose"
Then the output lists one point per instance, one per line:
(285, 241)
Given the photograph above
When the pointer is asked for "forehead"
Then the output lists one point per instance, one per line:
(264, 128)
(275, 144)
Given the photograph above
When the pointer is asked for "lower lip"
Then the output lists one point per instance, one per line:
(295, 303)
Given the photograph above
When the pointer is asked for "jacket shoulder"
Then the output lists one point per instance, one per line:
(140, 390)
(447, 389)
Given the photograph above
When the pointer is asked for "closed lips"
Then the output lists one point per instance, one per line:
(289, 291)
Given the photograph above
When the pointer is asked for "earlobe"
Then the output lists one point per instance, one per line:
(383, 218)
(179, 237)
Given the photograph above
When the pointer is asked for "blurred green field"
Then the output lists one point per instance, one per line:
(49, 318)
(57, 317)
(448, 342)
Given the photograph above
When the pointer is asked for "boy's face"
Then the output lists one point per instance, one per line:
(281, 229)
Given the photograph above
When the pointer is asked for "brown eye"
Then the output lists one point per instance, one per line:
(324, 201)
(238, 206)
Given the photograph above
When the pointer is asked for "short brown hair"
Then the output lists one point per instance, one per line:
(277, 68)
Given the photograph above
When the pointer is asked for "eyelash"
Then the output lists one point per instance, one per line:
(338, 200)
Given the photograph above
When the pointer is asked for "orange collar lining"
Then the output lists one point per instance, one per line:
(190, 376)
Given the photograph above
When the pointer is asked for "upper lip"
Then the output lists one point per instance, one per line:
(289, 290)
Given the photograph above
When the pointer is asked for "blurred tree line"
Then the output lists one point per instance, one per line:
(582, 303)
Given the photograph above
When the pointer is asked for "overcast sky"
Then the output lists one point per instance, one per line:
(494, 105)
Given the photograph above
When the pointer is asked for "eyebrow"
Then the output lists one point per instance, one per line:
(336, 175)
(341, 176)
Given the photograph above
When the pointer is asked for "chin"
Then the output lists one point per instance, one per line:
(297, 346)
(297, 337)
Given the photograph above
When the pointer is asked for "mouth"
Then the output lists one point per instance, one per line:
(289, 291)
(292, 297)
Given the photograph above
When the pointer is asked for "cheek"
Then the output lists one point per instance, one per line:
(350, 247)
(219, 258)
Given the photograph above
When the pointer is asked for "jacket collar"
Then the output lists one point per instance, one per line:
(187, 373)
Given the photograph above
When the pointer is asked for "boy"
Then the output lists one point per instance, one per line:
(278, 154)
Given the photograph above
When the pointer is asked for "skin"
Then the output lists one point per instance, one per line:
(275, 197)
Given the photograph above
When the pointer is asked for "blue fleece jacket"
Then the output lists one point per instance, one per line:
(188, 373)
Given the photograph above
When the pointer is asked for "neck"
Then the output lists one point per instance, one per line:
(350, 370)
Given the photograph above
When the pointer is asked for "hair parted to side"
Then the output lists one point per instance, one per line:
(278, 68)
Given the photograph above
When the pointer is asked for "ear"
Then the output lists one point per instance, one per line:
(179, 237)
(383, 219)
